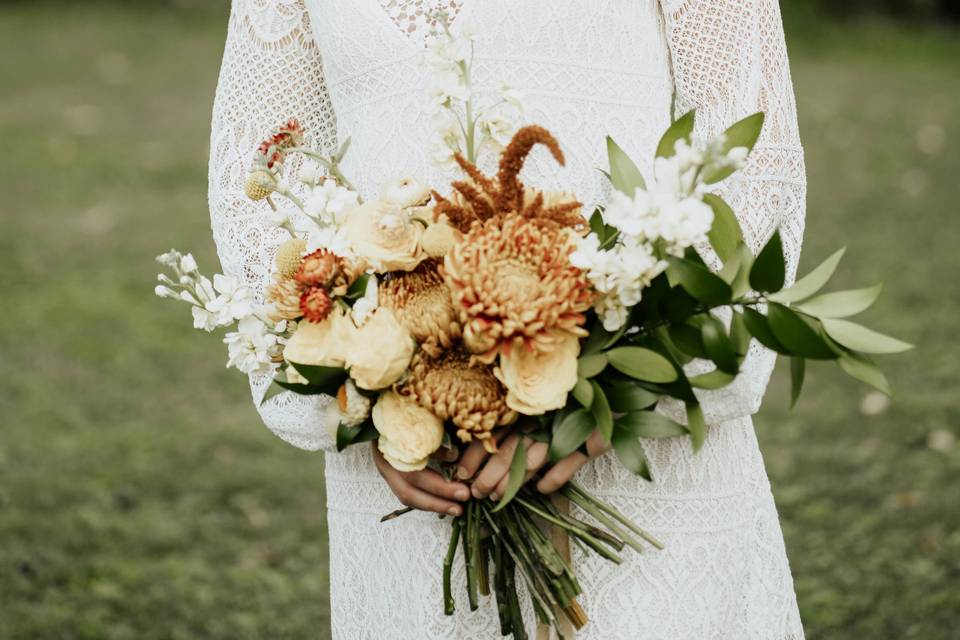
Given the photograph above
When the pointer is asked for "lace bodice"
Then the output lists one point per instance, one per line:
(587, 69)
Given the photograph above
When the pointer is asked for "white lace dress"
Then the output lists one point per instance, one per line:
(587, 69)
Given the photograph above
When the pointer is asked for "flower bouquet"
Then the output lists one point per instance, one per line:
(436, 320)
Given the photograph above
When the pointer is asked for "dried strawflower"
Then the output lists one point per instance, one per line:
(318, 269)
(315, 304)
(284, 296)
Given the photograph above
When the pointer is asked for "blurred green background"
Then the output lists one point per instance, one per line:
(141, 498)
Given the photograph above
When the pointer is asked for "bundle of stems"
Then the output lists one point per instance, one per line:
(515, 538)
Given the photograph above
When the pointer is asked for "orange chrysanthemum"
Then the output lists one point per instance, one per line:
(455, 388)
(421, 301)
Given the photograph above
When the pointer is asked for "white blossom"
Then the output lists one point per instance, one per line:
(251, 347)
(329, 237)
(165, 292)
(234, 302)
(310, 172)
(188, 264)
(329, 202)
(365, 306)
(203, 319)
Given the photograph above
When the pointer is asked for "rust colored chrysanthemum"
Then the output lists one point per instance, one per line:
(318, 269)
(315, 304)
(454, 387)
(513, 284)
(480, 198)
(421, 301)
(284, 296)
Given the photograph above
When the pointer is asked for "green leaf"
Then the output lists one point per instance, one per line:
(697, 425)
(718, 346)
(642, 364)
(583, 392)
(347, 436)
(759, 327)
(649, 424)
(681, 129)
(359, 287)
(725, 233)
(769, 271)
(840, 304)
(322, 377)
(627, 397)
(518, 469)
(624, 174)
(715, 379)
(797, 335)
(741, 282)
(698, 281)
(601, 412)
(591, 365)
(629, 451)
(797, 371)
(740, 134)
(739, 335)
(688, 339)
(863, 368)
(810, 283)
(570, 432)
(301, 389)
(596, 340)
(859, 338)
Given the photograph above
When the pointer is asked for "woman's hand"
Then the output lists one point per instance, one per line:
(492, 479)
(426, 490)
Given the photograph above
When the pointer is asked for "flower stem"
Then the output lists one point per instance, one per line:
(448, 602)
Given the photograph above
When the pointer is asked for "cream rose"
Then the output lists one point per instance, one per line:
(408, 432)
(379, 352)
(539, 382)
(385, 236)
(322, 344)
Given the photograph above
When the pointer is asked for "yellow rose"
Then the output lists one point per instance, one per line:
(322, 344)
(379, 352)
(408, 432)
(384, 235)
(538, 382)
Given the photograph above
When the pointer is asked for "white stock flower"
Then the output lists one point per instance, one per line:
(365, 306)
(329, 202)
(497, 129)
(234, 302)
(165, 292)
(203, 319)
(188, 264)
(512, 96)
(329, 237)
(169, 259)
(251, 347)
(310, 173)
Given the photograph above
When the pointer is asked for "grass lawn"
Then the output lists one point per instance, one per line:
(134, 506)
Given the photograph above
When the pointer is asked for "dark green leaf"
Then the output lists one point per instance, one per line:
(863, 368)
(797, 370)
(322, 377)
(570, 432)
(624, 174)
(739, 335)
(649, 424)
(583, 392)
(768, 271)
(601, 412)
(715, 379)
(718, 346)
(859, 338)
(810, 283)
(518, 469)
(725, 234)
(740, 134)
(698, 281)
(591, 365)
(642, 364)
(359, 287)
(347, 436)
(596, 340)
(301, 389)
(759, 327)
(840, 304)
(741, 282)
(688, 339)
(629, 451)
(681, 129)
(697, 425)
(796, 334)
(627, 397)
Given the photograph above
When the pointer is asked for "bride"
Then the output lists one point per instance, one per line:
(586, 70)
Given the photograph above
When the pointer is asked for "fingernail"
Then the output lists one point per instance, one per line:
(495, 496)
(462, 473)
(478, 494)
(453, 511)
(462, 494)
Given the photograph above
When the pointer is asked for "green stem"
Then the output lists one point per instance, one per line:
(604, 519)
(616, 514)
(448, 601)
(469, 555)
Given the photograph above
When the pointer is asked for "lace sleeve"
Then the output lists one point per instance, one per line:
(271, 72)
(730, 60)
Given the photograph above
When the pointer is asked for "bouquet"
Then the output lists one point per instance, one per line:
(435, 320)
